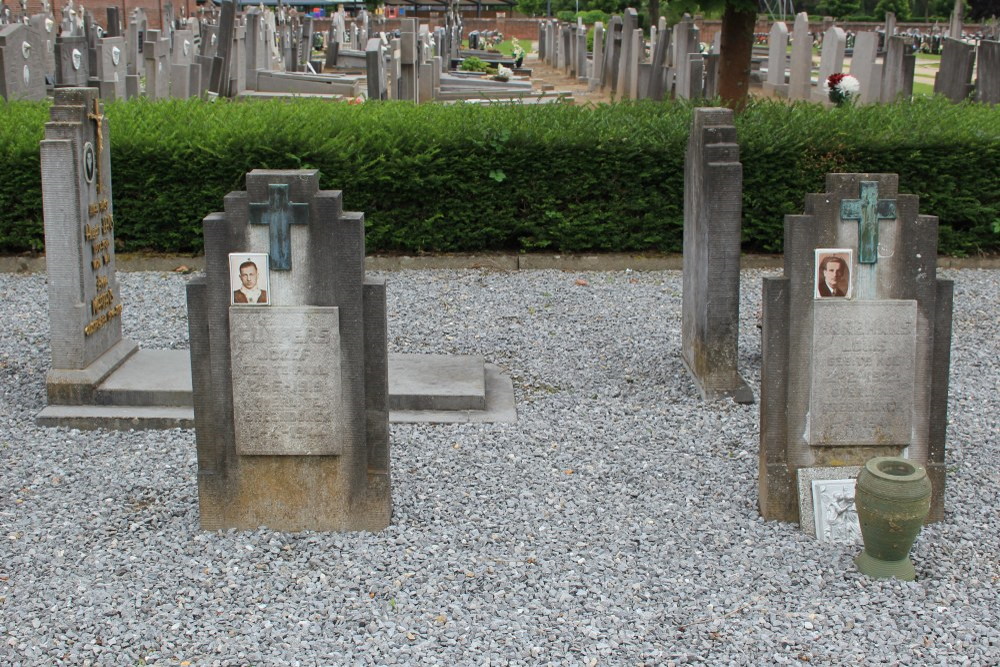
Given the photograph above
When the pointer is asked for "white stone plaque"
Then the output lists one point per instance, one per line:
(863, 372)
(835, 517)
(287, 396)
(826, 503)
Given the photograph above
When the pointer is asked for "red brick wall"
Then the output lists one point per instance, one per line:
(99, 9)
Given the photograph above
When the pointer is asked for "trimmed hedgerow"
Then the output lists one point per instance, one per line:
(434, 178)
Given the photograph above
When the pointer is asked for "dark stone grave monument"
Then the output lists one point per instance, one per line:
(856, 344)
(290, 397)
(713, 191)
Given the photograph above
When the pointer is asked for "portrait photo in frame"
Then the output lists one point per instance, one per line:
(834, 273)
(249, 279)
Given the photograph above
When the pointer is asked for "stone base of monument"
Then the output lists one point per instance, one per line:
(151, 389)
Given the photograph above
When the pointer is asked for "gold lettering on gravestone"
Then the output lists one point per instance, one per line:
(863, 372)
(102, 307)
(286, 380)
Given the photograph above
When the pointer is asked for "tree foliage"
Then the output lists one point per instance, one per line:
(980, 10)
(901, 8)
(838, 8)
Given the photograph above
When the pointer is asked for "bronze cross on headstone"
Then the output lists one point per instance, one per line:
(98, 119)
(868, 211)
(278, 213)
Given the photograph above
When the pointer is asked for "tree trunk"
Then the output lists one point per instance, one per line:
(738, 23)
(654, 13)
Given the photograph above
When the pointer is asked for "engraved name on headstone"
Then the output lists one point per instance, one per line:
(863, 372)
(286, 380)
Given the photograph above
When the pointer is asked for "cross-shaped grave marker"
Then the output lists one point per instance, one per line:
(868, 211)
(279, 213)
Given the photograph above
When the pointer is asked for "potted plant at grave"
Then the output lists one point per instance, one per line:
(841, 88)
(517, 52)
(474, 64)
(503, 73)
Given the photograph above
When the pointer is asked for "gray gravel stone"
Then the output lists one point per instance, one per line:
(614, 523)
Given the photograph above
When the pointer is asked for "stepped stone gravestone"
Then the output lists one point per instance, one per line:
(290, 397)
(156, 52)
(800, 65)
(954, 77)
(713, 190)
(84, 301)
(777, 60)
(856, 341)
(22, 63)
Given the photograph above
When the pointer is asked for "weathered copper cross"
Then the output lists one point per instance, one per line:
(868, 211)
(278, 213)
(98, 119)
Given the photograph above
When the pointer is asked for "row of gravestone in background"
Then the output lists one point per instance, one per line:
(843, 379)
(676, 67)
(254, 53)
(231, 56)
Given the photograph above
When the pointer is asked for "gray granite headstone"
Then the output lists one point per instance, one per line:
(84, 300)
(800, 65)
(831, 61)
(156, 52)
(659, 86)
(45, 26)
(777, 60)
(988, 73)
(375, 68)
(597, 64)
(290, 398)
(408, 61)
(864, 68)
(713, 191)
(110, 73)
(954, 76)
(135, 36)
(859, 369)
(897, 70)
(612, 53)
(22, 63)
(72, 61)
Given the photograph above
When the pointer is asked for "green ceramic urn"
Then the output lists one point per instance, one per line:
(893, 497)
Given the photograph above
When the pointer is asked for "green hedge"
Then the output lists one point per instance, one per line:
(510, 177)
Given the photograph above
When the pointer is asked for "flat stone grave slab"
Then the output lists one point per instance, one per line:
(152, 389)
(436, 382)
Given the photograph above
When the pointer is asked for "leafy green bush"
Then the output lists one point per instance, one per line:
(474, 64)
(510, 177)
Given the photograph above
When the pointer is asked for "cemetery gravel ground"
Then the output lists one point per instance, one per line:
(614, 523)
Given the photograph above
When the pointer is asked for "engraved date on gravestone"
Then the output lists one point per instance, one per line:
(286, 380)
(863, 372)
